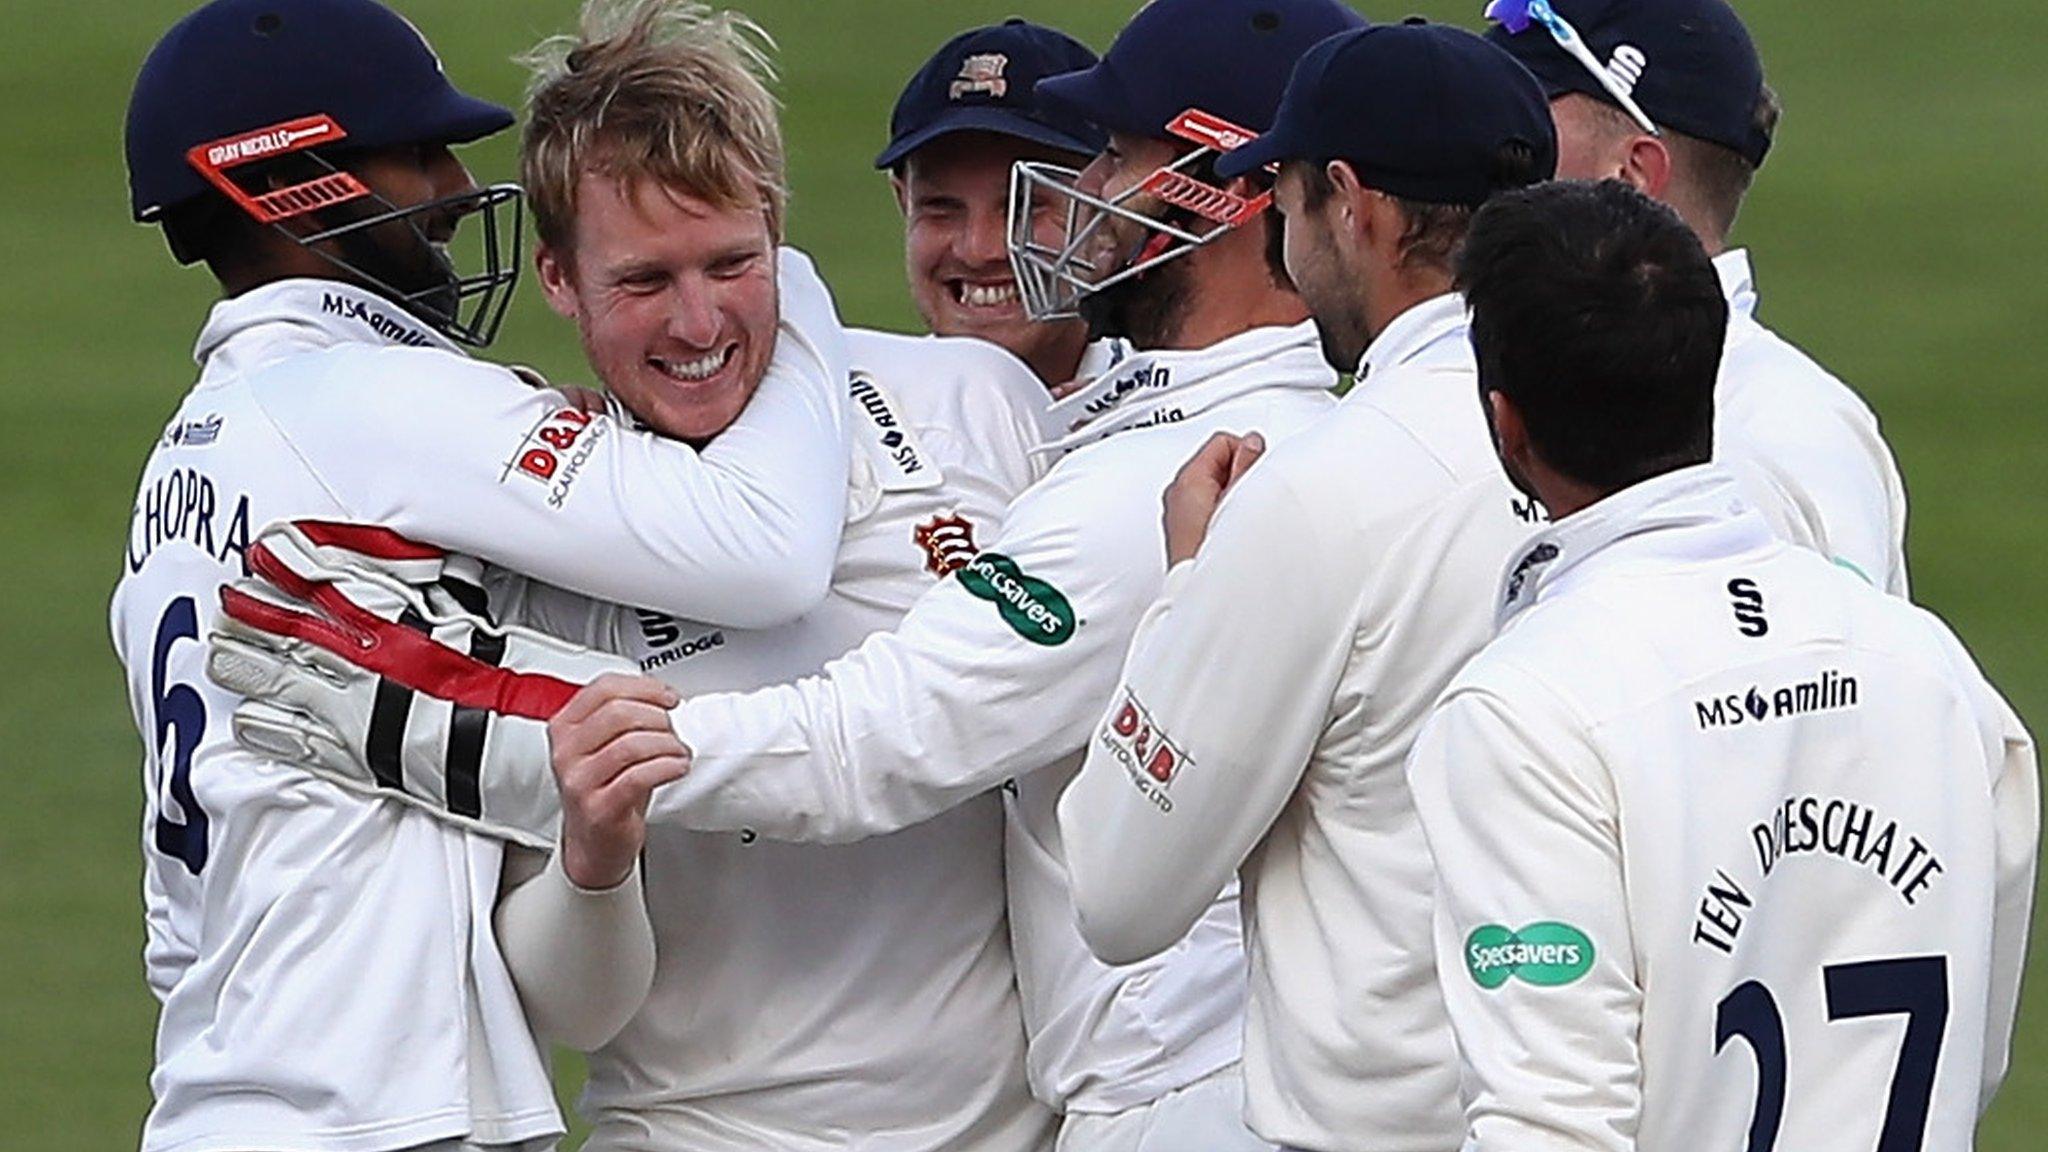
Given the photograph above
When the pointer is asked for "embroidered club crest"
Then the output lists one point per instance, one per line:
(981, 73)
(948, 543)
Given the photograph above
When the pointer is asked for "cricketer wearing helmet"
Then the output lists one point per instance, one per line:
(962, 123)
(325, 972)
(998, 671)
(1669, 96)
(854, 994)
(1273, 690)
(1733, 850)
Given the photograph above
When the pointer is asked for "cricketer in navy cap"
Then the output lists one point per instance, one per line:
(243, 93)
(984, 80)
(1184, 81)
(1691, 70)
(967, 115)
(1388, 137)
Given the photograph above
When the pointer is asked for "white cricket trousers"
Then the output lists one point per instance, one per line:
(1205, 1116)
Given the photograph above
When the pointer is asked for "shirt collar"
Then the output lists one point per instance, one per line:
(1143, 389)
(303, 314)
(1414, 331)
(1738, 281)
(1694, 513)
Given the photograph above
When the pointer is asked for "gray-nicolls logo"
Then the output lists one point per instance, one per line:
(1748, 601)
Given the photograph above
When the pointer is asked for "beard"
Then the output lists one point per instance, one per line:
(1148, 309)
(398, 261)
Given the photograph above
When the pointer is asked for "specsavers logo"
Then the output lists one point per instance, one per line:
(1034, 609)
(1545, 954)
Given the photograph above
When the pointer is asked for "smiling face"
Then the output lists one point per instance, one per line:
(1123, 164)
(675, 299)
(955, 194)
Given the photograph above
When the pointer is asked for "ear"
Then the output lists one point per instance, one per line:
(1351, 194)
(1510, 434)
(1647, 165)
(557, 280)
(902, 189)
(1370, 215)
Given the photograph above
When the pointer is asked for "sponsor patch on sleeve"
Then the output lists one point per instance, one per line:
(1150, 758)
(1546, 954)
(901, 463)
(1032, 608)
(556, 451)
(947, 541)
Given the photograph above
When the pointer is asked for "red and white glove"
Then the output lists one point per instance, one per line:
(372, 661)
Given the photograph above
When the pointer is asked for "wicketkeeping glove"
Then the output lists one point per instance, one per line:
(372, 661)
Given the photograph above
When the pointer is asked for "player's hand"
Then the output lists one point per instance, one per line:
(612, 747)
(1062, 391)
(1191, 499)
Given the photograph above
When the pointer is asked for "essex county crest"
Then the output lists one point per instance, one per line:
(981, 73)
(948, 543)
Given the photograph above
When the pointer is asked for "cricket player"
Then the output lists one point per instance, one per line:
(1733, 850)
(1272, 692)
(1677, 106)
(963, 121)
(998, 672)
(327, 979)
(856, 995)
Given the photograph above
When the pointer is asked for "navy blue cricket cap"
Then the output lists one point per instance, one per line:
(1229, 58)
(241, 65)
(1422, 111)
(1695, 69)
(982, 81)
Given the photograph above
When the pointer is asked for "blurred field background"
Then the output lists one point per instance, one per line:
(1897, 236)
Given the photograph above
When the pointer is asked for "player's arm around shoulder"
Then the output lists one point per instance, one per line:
(1534, 949)
(1224, 693)
(465, 455)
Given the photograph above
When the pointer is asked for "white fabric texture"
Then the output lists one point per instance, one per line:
(1727, 842)
(819, 996)
(1260, 728)
(1205, 1116)
(1805, 447)
(323, 934)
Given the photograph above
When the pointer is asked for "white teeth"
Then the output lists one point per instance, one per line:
(702, 368)
(987, 295)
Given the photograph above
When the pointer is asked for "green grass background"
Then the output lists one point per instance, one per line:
(1897, 236)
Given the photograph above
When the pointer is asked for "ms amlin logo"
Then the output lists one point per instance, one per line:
(1545, 954)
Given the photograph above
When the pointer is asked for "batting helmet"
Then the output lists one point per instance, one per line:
(239, 85)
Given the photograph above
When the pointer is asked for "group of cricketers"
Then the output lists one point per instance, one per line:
(1077, 728)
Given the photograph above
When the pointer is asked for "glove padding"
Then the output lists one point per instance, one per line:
(371, 661)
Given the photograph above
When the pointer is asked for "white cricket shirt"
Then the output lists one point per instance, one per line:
(1804, 446)
(328, 977)
(1261, 726)
(1732, 848)
(810, 997)
(997, 673)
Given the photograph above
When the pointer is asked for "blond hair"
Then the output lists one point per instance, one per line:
(661, 91)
